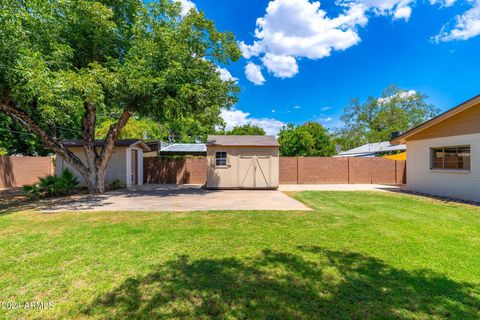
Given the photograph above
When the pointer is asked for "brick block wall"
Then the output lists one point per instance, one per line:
(289, 170)
(317, 170)
(19, 171)
(360, 171)
(293, 170)
(401, 172)
(383, 171)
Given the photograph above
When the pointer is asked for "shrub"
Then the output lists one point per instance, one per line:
(116, 184)
(52, 185)
(67, 181)
(32, 191)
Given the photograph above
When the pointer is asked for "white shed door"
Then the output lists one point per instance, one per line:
(254, 172)
(262, 171)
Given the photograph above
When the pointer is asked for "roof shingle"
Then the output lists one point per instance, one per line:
(245, 141)
(99, 143)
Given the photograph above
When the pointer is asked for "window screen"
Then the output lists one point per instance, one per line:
(221, 159)
(451, 158)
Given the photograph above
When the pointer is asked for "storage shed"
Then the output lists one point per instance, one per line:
(242, 162)
(126, 164)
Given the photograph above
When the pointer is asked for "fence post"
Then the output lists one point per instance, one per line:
(297, 171)
(348, 170)
(396, 178)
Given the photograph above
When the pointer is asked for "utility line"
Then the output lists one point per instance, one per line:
(12, 131)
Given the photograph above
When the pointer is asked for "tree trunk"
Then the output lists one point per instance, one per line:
(94, 170)
(51, 142)
(97, 163)
(91, 181)
(96, 182)
(100, 188)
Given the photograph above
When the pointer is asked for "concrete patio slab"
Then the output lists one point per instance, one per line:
(339, 187)
(176, 198)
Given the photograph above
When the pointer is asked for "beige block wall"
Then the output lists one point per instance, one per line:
(231, 176)
(454, 184)
(116, 169)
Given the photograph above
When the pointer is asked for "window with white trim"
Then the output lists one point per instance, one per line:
(220, 158)
(450, 158)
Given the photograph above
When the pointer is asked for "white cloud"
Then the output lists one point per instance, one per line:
(292, 29)
(297, 107)
(186, 6)
(249, 51)
(401, 95)
(397, 9)
(280, 66)
(466, 25)
(235, 118)
(253, 73)
(325, 108)
(225, 75)
(326, 119)
(403, 13)
(299, 28)
(295, 29)
(443, 3)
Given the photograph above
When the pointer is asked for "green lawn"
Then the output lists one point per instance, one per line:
(358, 255)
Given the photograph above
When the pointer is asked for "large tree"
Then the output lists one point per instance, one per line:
(79, 60)
(15, 140)
(246, 130)
(186, 130)
(309, 139)
(136, 128)
(378, 117)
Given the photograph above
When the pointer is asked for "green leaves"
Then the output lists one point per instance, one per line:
(378, 117)
(246, 130)
(309, 139)
(136, 128)
(52, 186)
(55, 56)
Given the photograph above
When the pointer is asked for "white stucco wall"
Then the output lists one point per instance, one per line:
(116, 168)
(449, 183)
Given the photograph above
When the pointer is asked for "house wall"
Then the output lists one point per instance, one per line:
(449, 183)
(232, 176)
(463, 123)
(116, 169)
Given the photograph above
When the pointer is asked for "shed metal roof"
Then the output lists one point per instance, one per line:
(185, 148)
(238, 141)
(372, 148)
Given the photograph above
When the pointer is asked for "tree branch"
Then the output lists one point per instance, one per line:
(54, 144)
(88, 127)
(112, 136)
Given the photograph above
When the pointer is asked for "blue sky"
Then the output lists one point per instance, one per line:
(314, 56)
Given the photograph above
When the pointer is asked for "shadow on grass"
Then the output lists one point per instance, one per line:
(12, 200)
(329, 285)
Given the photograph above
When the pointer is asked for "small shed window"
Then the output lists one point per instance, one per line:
(221, 159)
(448, 158)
